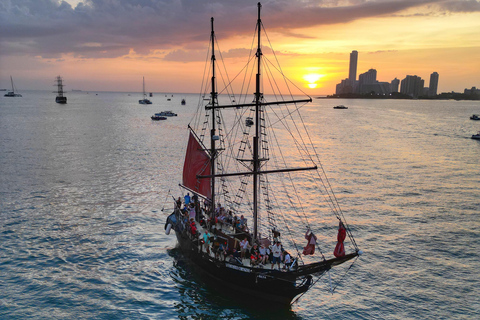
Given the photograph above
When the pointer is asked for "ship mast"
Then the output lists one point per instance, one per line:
(213, 97)
(256, 160)
(59, 86)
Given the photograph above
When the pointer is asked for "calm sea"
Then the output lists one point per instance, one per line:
(83, 185)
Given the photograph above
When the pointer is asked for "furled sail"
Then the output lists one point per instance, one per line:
(197, 162)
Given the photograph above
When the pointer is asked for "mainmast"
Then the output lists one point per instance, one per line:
(59, 86)
(213, 97)
(256, 157)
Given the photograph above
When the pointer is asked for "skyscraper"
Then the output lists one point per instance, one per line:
(394, 85)
(352, 72)
(432, 88)
(412, 86)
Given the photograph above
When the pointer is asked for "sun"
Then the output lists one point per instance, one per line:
(312, 79)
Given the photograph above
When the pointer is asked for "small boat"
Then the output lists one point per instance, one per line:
(151, 94)
(229, 176)
(476, 136)
(12, 93)
(475, 117)
(341, 106)
(169, 99)
(183, 102)
(144, 100)
(157, 117)
(249, 121)
(60, 98)
(166, 114)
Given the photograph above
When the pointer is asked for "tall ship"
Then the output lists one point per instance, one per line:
(60, 98)
(144, 100)
(12, 93)
(256, 214)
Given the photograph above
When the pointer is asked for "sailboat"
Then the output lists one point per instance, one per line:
(60, 98)
(144, 100)
(12, 93)
(232, 175)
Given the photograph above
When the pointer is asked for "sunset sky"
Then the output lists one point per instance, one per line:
(108, 45)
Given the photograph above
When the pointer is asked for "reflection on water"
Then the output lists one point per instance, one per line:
(81, 227)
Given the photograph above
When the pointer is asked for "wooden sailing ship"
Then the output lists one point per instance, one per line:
(227, 187)
(60, 98)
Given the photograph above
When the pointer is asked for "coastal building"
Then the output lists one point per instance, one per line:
(368, 84)
(394, 85)
(352, 71)
(412, 86)
(349, 85)
(432, 88)
(473, 92)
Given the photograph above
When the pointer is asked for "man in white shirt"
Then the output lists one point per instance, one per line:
(243, 247)
(277, 252)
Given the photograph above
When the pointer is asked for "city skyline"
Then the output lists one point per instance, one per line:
(110, 45)
(367, 83)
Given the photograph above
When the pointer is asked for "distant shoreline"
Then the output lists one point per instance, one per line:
(400, 96)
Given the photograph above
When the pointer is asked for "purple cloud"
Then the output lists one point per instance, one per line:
(49, 28)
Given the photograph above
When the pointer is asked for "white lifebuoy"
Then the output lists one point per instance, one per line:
(169, 227)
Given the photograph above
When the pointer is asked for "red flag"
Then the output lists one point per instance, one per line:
(340, 248)
(312, 240)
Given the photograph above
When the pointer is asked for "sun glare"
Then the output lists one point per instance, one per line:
(312, 79)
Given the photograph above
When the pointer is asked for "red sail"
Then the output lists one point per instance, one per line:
(340, 248)
(197, 162)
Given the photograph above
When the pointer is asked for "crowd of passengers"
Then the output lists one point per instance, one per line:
(259, 253)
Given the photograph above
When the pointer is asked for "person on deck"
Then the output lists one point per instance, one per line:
(191, 211)
(193, 228)
(264, 251)
(206, 240)
(186, 199)
(277, 252)
(254, 255)
(243, 223)
(287, 260)
(243, 247)
(195, 198)
(179, 203)
(222, 250)
(234, 257)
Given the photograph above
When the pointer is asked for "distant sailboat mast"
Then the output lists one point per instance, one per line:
(12, 93)
(144, 95)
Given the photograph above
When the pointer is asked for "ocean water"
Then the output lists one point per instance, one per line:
(85, 189)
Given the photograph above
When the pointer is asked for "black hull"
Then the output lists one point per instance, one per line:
(62, 100)
(259, 285)
(276, 286)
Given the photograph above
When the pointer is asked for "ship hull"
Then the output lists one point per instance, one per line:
(248, 282)
(240, 280)
(61, 100)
